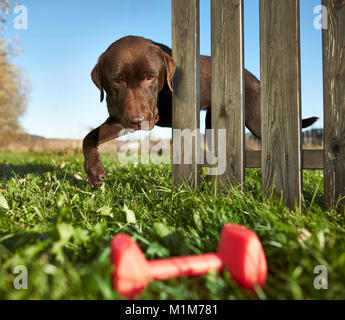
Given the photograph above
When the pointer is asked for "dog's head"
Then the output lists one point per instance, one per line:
(132, 72)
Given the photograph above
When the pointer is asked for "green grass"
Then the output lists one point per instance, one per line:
(60, 229)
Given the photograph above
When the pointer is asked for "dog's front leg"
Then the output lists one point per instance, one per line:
(93, 166)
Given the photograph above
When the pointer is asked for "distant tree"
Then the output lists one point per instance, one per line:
(13, 92)
(5, 6)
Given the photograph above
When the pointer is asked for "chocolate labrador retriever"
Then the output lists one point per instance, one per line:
(136, 74)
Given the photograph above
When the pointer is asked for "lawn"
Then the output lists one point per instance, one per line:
(59, 228)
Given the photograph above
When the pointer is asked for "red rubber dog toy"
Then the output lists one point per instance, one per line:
(239, 249)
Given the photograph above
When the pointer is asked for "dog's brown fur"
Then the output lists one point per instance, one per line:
(136, 74)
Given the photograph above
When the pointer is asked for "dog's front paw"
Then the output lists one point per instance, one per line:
(95, 171)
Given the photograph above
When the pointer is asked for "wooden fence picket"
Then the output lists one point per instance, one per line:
(228, 85)
(334, 101)
(186, 97)
(281, 99)
(281, 158)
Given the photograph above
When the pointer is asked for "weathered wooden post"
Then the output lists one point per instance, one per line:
(281, 99)
(228, 85)
(186, 96)
(334, 100)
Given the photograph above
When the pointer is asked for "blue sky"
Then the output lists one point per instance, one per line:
(65, 38)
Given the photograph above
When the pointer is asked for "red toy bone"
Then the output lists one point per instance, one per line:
(239, 249)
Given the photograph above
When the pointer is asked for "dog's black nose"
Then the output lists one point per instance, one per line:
(138, 119)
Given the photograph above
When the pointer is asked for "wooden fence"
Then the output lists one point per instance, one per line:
(281, 158)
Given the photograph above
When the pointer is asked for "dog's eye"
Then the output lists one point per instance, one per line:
(118, 81)
(149, 78)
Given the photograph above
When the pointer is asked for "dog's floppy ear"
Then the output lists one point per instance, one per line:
(170, 68)
(96, 77)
